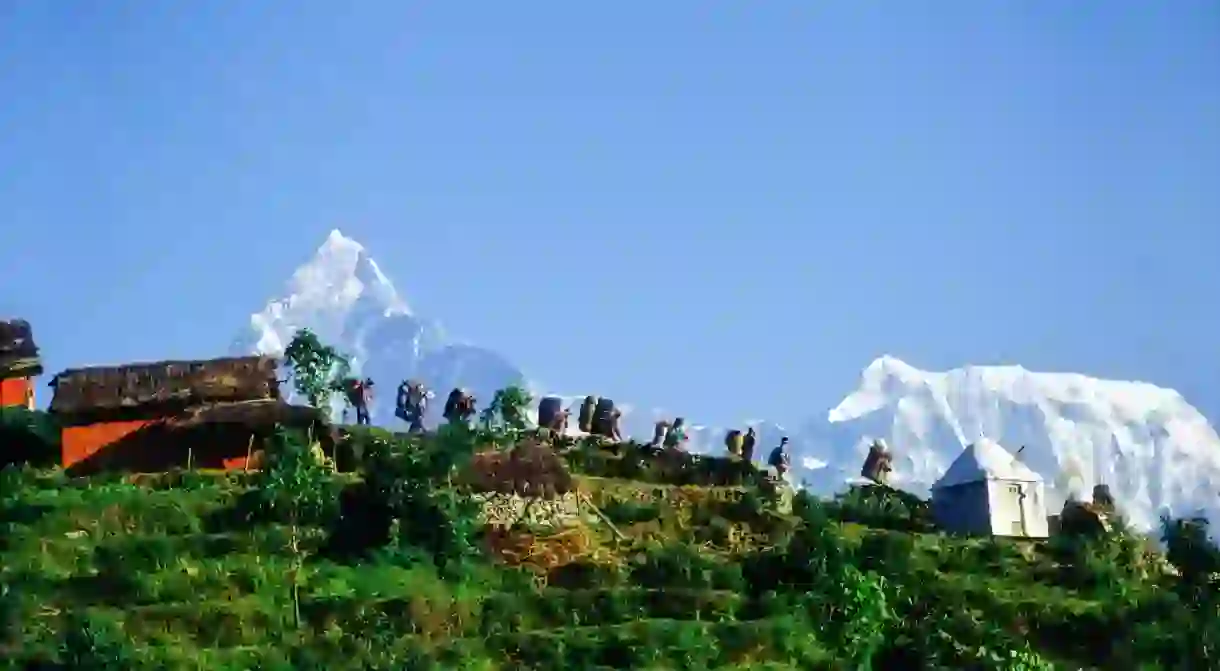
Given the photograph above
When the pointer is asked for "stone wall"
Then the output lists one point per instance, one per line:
(503, 509)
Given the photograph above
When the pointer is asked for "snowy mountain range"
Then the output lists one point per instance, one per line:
(1155, 451)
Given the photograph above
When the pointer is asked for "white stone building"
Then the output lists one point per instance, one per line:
(988, 491)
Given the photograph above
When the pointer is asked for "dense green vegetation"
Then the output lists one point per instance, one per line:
(388, 567)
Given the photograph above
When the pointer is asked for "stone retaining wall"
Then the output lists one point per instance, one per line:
(504, 509)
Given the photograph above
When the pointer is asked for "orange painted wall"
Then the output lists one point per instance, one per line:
(236, 463)
(81, 442)
(16, 392)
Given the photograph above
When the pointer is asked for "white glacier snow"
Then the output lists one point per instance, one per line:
(343, 296)
(1155, 451)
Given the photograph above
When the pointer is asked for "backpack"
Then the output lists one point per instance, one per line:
(585, 420)
(603, 418)
(549, 409)
(733, 442)
(416, 396)
(453, 404)
(658, 434)
(778, 459)
(355, 392)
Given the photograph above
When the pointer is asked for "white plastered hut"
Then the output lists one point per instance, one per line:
(988, 491)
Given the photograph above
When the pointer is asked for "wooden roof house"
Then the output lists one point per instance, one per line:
(19, 364)
(150, 417)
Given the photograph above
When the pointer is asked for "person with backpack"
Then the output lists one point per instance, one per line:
(412, 403)
(453, 405)
(459, 407)
(675, 436)
(584, 420)
(402, 401)
(616, 428)
(779, 458)
(747, 446)
(732, 443)
(658, 434)
(878, 464)
(360, 395)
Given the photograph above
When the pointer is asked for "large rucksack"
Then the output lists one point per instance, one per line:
(732, 442)
(659, 431)
(584, 421)
(548, 411)
(675, 435)
(402, 402)
(417, 397)
(453, 404)
(748, 442)
(355, 391)
(603, 418)
(877, 463)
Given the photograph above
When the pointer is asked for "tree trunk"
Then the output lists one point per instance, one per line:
(295, 547)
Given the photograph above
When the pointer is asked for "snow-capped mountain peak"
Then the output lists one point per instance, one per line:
(339, 284)
(343, 296)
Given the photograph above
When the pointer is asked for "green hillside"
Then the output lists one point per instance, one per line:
(658, 564)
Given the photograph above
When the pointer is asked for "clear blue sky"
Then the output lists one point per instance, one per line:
(650, 200)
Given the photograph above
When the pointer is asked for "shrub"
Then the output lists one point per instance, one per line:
(630, 512)
(28, 437)
(883, 508)
(409, 484)
(90, 642)
(318, 370)
(1192, 552)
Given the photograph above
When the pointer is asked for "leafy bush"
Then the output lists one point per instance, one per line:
(1192, 552)
(883, 508)
(28, 437)
(643, 463)
(680, 565)
(507, 410)
(318, 371)
(92, 643)
(630, 512)
(409, 484)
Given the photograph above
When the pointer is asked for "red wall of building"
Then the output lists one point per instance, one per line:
(16, 392)
(82, 442)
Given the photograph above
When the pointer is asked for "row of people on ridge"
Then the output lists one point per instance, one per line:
(597, 416)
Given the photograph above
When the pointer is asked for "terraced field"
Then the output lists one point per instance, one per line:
(163, 572)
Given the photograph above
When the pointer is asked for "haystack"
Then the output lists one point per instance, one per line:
(18, 351)
(530, 469)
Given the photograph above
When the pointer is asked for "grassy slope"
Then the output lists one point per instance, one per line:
(160, 561)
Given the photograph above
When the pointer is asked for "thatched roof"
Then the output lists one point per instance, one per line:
(260, 413)
(18, 351)
(530, 469)
(168, 385)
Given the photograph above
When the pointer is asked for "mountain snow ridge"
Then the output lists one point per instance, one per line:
(1155, 451)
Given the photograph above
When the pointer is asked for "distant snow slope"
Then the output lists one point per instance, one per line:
(1152, 448)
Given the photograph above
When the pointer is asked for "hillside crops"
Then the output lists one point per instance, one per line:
(666, 566)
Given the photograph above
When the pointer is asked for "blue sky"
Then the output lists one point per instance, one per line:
(727, 209)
